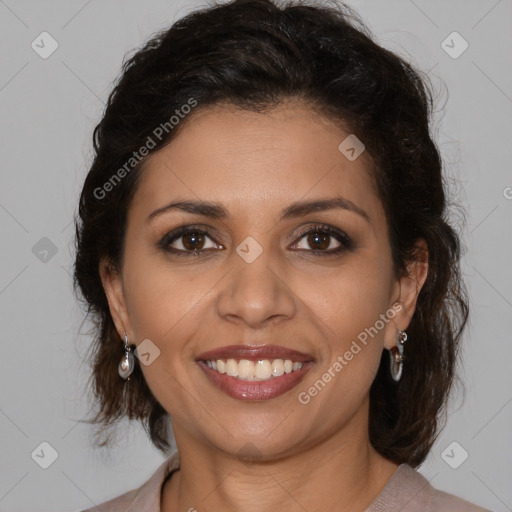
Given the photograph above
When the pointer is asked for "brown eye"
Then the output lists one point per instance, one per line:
(318, 240)
(193, 240)
(324, 240)
(189, 240)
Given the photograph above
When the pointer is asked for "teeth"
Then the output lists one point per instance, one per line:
(232, 368)
(245, 369)
(221, 366)
(278, 368)
(263, 369)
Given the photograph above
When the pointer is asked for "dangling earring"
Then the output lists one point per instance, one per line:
(127, 363)
(396, 356)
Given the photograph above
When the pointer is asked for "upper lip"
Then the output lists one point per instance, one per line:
(254, 353)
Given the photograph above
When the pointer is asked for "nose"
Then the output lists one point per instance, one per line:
(256, 293)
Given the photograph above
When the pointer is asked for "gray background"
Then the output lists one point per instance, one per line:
(49, 108)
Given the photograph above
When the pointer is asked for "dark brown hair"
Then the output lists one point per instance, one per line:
(254, 54)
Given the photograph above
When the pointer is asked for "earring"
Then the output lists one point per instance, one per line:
(127, 363)
(396, 356)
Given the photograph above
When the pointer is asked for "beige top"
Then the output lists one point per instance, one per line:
(406, 491)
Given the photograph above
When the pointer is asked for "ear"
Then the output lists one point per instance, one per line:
(406, 293)
(114, 290)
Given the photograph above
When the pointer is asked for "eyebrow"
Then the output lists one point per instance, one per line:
(298, 209)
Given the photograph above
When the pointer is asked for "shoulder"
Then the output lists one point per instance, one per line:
(409, 491)
(443, 501)
(146, 497)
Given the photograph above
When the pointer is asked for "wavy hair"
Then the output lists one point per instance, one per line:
(256, 54)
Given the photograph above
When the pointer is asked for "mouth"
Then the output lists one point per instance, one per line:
(248, 372)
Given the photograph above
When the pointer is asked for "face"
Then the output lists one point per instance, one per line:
(259, 273)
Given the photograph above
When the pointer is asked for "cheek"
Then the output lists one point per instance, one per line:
(353, 299)
(354, 312)
(351, 351)
(158, 297)
(162, 307)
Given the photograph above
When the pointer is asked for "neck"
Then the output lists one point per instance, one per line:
(341, 473)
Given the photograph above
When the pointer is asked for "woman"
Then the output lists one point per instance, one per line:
(262, 240)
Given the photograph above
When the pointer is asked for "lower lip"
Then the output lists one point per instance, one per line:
(255, 389)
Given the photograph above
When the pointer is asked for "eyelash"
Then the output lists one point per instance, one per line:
(345, 241)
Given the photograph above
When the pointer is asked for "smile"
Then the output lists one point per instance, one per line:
(263, 369)
(254, 372)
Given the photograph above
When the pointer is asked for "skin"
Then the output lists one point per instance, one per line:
(309, 457)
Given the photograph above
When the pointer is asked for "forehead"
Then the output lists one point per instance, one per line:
(256, 162)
